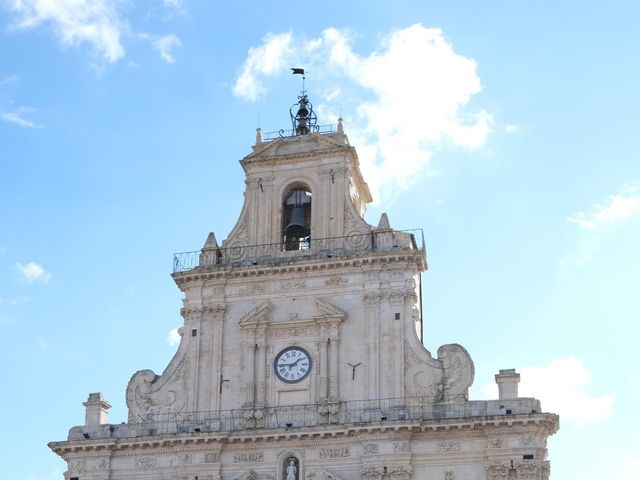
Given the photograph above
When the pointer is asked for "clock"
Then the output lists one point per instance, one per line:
(292, 364)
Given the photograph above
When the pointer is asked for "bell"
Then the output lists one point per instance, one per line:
(302, 111)
(297, 227)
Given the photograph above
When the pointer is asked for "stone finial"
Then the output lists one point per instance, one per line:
(340, 126)
(507, 381)
(96, 410)
(210, 253)
(258, 135)
(211, 242)
(384, 221)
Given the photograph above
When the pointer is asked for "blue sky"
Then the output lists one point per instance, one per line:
(507, 130)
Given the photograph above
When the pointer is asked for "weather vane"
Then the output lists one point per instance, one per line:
(304, 121)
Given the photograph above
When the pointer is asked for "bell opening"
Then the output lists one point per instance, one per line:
(296, 230)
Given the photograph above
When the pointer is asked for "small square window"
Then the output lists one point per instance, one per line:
(397, 316)
(529, 456)
(194, 332)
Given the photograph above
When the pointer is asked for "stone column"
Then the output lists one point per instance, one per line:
(334, 394)
(397, 301)
(193, 321)
(262, 372)
(210, 333)
(249, 372)
(324, 373)
(371, 313)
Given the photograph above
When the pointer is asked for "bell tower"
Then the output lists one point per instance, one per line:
(301, 352)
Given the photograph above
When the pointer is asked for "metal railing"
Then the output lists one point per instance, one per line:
(356, 412)
(315, 248)
(321, 129)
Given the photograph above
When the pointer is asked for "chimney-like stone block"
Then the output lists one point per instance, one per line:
(507, 381)
(96, 410)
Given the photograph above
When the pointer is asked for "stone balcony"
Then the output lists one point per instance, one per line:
(391, 413)
(272, 254)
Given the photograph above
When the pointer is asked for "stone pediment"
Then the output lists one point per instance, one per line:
(328, 311)
(326, 315)
(305, 145)
(323, 474)
(257, 317)
(248, 475)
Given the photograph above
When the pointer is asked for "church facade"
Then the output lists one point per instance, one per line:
(301, 353)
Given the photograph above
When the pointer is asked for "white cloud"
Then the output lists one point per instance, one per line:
(17, 117)
(562, 387)
(12, 302)
(617, 207)
(511, 128)
(96, 22)
(42, 343)
(177, 4)
(267, 59)
(173, 338)
(630, 469)
(32, 272)
(8, 80)
(405, 98)
(165, 45)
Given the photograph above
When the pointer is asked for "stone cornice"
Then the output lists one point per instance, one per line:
(319, 435)
(313, 265)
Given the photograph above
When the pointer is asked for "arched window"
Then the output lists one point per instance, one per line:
(296, 218)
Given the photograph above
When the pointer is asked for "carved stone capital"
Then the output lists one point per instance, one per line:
(371, 299)
(211, 312)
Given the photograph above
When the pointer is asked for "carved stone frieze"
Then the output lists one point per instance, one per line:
(449, 446)
(296, 284)
(211, 457)
(250, 457)
(401, 447)
(372, 473)
(525, 469)
(398, 473)
(145, 463)
(494, 443)
(77, 465)
(370, 449)
(334, 452)
(335, 281)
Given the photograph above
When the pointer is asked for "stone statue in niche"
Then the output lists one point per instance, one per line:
(291, 469)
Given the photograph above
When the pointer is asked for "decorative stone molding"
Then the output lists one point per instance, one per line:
(398, 473)
(525, 469)
(372, 473)
(149, 394)
(211, 457)
(146, 463)
(449, 446)
(401, 447)
(449, 375)
(250, 457)
(370, 449)
(334, 452)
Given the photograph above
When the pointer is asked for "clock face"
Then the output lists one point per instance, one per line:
(292, 364)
